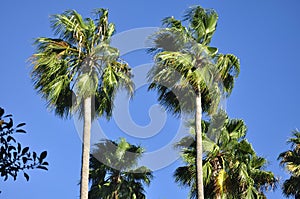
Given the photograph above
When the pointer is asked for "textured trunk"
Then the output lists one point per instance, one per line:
(84, 185)
(198, 131)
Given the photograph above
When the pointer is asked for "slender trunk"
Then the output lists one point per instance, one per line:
(198, 131)
(84, 185)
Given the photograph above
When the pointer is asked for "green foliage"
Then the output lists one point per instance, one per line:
(186, 64)
(291, 161)
(113, 172)
(187, 68)
(78, 64)
(231, 168)
(13, 157)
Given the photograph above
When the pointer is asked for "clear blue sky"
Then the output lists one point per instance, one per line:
(265, 35)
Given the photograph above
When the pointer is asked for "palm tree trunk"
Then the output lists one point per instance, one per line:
(84, 185)
(198, 131)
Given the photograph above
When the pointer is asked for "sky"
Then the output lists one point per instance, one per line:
(265, 35)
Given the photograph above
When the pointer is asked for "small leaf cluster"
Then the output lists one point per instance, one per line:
(13, 157)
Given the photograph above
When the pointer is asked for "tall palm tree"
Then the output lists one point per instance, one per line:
(188, 72)
(291, 161)
(112, 172)
(231, 167)
(80, 64)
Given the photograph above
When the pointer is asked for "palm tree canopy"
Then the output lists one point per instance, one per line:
(290, 159)
(231, 168)
(78, 64)
(186, 64)
(113, 171)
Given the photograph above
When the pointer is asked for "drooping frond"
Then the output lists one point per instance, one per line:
(231, 168)
(290, 159)
(70, 27)
(196, 65)
(291, 187)
(80, 63)
(229, 68)
(185, 176)
(54, 66)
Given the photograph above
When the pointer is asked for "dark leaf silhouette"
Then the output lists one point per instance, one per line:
(20, 131)
(43, 155)
(25, 150)
(42, 167)
(26, 176)
(13, 157)
(21, 124)
(1, 112)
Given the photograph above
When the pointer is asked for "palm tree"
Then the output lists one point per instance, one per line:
(80, 64)
(291, 161)
(112, 172)
(231, 167)
(188, 72)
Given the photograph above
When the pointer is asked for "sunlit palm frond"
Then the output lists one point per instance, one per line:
(71, 27)
(231, 168)
(186, 53)
(203, 23)
(229, 69)
(79, 64)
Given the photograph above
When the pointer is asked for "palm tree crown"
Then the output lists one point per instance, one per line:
(79, 64)
(112, 172)
(231, 168)
(291, 161)
(185, 64)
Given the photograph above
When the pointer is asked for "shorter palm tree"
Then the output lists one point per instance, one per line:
(113, 174)
(291, 161)
(231, 168)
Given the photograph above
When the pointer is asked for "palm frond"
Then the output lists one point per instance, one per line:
(80, 63)
(70, 26)
(291, 187)
(203, 23)
(125, 181)
(229, 68)
(231, 168)
(186, 53)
